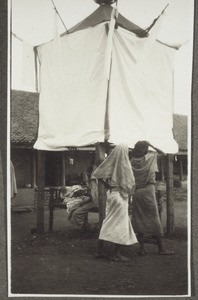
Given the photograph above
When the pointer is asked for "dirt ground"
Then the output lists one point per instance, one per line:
(63, 262)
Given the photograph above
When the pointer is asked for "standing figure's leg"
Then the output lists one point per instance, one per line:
(118, 255)
(161, 249)
(99, 249)
(140, 238)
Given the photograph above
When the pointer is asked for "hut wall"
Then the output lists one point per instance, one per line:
(81, 161)
(21, 159)
(76, 162)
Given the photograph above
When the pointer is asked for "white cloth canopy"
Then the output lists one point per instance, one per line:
(141, 92)
(23, 65)
(73, 95)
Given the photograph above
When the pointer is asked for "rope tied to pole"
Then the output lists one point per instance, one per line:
(59, 16)
(155, 20)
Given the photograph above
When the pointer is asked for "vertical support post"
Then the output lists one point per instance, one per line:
(169, 197)
(100, 156)
(162, 169)
(41, 191)
(181, 175)
(63, 169)
(58, 169)
(33, 169)
(51, 209)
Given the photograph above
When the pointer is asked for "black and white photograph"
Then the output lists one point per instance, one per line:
(99, 148)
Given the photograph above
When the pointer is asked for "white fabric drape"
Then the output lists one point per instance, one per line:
(109, 44)
(141, 92)
(72, 110)
(23, 66)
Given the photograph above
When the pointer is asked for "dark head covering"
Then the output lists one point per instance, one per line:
(140, 149)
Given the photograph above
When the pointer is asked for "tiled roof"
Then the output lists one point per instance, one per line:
(180, 131)
(25, 118)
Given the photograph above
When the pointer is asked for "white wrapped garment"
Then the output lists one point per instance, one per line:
(116, 227)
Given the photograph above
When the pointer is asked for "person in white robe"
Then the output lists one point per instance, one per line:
(116, 228)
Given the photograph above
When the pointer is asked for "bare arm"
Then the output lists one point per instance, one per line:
(156, 149)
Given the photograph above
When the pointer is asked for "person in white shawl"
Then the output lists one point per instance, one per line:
(116, 227)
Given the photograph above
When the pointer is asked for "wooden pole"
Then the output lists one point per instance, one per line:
(169, 197)
(59, 16)
(100, 149)
(63, 169)
(41, 191)
(58, 169)
(33, 170)
(99, 157)
(181, 170)
(162, 169)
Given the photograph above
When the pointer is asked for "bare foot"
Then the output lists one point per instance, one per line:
(100, 255)
(122, 257)
(142, 252)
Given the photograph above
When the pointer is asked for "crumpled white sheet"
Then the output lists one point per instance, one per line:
(73, 97)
